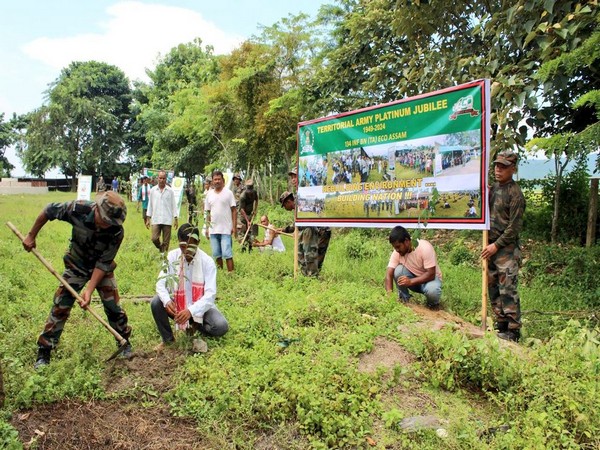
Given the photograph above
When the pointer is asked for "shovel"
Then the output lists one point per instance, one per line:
(122, 341)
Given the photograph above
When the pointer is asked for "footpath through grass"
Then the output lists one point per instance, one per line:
(291, 373)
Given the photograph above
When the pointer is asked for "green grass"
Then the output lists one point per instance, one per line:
(291, 358)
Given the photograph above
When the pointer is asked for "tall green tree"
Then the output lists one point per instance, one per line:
(165, 103)
(6, 139)
(82, 126)
(579, 133)
(385, 50)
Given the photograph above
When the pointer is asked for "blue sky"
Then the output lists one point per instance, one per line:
(41, 37)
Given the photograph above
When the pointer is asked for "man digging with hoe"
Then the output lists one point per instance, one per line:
(95, 240)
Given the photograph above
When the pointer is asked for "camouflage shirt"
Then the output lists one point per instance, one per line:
(507, 205)
(90, 246)
(246, 201)
(237, 192)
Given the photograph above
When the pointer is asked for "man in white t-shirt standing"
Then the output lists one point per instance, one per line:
(414, 268)
(163, 212)
(221, 214)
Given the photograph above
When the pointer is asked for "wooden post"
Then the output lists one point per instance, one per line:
(484, 284)
(590, 236)
(296, 244)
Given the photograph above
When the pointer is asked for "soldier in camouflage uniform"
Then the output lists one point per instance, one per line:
(313, 241)
(96, 237)
(237, 188)
(247, 208)
(507, 205)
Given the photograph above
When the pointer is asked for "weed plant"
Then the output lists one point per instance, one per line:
(289, 366)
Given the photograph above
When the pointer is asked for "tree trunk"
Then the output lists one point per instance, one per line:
(590, 237)
(559, 168)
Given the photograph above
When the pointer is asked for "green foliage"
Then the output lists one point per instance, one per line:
(83, 127)
(371, 59)
(566, 268)
(460, 254)
(544, 406)
(573, 205)
(9, 438)
(357, 245)
(392, 418)
(291, 358)
(6, 138)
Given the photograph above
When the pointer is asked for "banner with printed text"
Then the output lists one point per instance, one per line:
(420, 161)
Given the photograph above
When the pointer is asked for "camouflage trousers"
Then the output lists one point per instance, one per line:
(242, 227)
(503, 272)
(312, 247)
(63, 302)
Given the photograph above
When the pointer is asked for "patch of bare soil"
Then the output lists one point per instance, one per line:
(386, 354)
(436, 320)
(115, 424)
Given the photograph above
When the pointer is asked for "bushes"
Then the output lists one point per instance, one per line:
(550, 395)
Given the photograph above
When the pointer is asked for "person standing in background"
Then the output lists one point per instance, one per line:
(143, 199)
(101, 185)
(162, 212)
(222, 218)
(247, 208)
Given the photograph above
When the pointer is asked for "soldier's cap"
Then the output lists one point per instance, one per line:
(293, 171)
(112, 208)
(506, 158)
(237, 175)
(208, 180)
(249, 182)
(283, 197)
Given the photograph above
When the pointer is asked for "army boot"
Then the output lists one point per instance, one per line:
(43, 358)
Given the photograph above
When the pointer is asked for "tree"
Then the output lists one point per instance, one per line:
(82, 127)
(385, 50)
(177, 136)
(6, 139)
(579, 133)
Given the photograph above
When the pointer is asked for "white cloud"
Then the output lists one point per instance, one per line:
(132, 38)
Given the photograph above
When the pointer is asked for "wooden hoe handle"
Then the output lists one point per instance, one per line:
(74, 293)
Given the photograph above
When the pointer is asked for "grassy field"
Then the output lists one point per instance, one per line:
(332, 362)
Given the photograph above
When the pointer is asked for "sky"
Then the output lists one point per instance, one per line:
(41, 37)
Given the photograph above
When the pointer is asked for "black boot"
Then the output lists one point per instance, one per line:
(510, 335)
(43, 358)
(502, 327)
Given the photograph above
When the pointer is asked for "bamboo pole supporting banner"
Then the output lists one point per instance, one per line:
(296, 244)
(484, 284)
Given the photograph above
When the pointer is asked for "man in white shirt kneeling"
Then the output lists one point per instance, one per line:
(186, 291)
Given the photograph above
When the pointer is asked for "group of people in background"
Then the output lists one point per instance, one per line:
(101, 185)
(186, 288)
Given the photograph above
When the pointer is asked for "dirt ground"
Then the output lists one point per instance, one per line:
(139, 419)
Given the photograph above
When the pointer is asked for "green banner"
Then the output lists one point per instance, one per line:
(419, 159)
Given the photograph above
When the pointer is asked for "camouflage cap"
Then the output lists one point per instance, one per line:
(112, 208)
(293, 171)
(283, 197)
(506, 158)
(237, 175)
